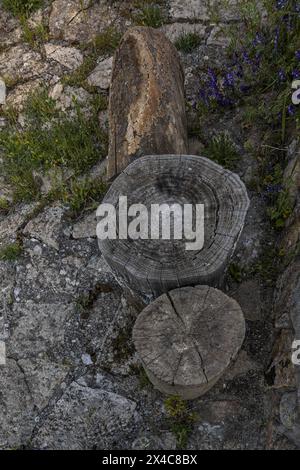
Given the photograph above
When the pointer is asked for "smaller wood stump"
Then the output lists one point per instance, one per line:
(187, 338)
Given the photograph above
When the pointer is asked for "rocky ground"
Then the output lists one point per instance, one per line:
(72, 379)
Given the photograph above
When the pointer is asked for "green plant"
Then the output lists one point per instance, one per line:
(180, 418)
(4, 204)
(10, 252)
(188, 42)
(268, 265)
(22, 8)
(281, 210)
(35, 36)
(53, 139)
(150, 15)
(235, 272)
(139, 371)
(82, 195)
(85, 302)
(104, 44)
(222, 150)
(122, 344)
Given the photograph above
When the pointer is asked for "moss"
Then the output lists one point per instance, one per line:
(53, 139)
(10, 252)
(188, 42)
(21, 8)
(180, 418)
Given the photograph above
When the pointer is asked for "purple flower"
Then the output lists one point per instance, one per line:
(291, 109)
(295, 73)
(280, 4)
(246, 57)
(297, 54)
(282, 75)
(229, 80)
(276, 38)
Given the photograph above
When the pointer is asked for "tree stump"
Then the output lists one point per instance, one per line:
(146, 105)
(151, 267)
(187, 338)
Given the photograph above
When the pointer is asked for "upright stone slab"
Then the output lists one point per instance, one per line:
(186, 339)
(146, 105)
(153, 266)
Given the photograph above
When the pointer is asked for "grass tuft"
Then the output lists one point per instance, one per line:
(10, 252)
(21, 8)
(149, 15)
(188, 42)
(52, 139)
(222, 150)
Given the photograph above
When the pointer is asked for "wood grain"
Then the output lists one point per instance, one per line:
(187, 338)
(151, 267)
(146, 104)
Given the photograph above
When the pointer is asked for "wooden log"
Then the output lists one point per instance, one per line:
(146, 105)
(187, 338)
(152, 267)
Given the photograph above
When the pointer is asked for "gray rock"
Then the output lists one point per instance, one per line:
(46, 226)
(248, 297)
(18, 96)
(12, 222)
(43, 377)
(101, 75)
(69, 57)
(67, 97)
(85, 418)
(17, 417)
(10, 30)
(218, 36)
(20, 61)
(37, 328)
(288, 410)
(188, 10)
(85, 228)
(86, 359)
(175, 30)
(2, 91)
(75, 20)
(165, 441)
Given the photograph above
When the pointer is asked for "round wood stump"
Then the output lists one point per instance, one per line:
(187, 338)
(153, 266)
(146, 101)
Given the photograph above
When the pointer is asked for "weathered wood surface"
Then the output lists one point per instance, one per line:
(151, 267)
(146, 105)
(187, 338)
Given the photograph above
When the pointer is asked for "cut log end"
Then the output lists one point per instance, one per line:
(187, 338)
(150, 266)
